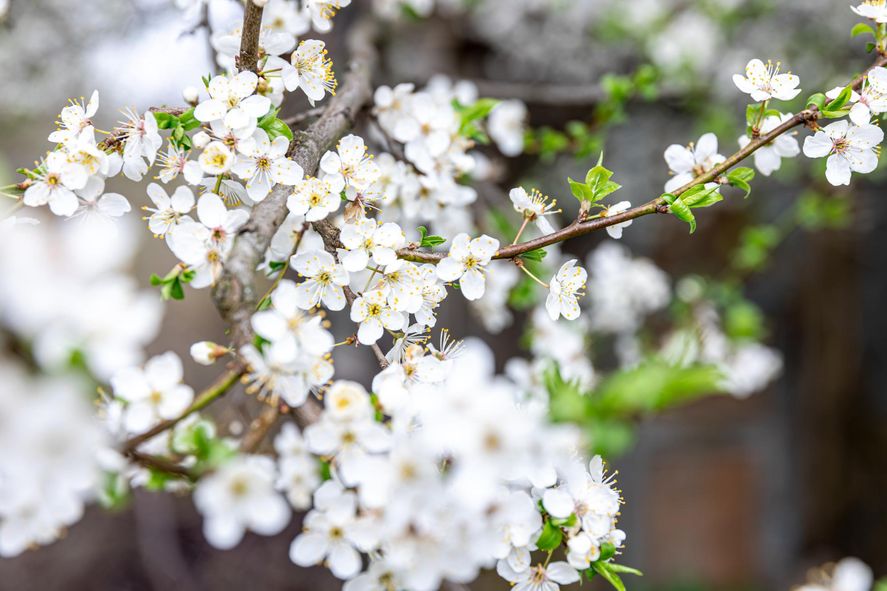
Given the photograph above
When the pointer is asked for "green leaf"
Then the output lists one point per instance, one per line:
(842, 99)
(275, 127)
(581, 191)
(604, 570)
(608, 551)
(534, 255)
(550, 538)
(862, 29)
(680, 210)
(621, 568)
(166, 120)
(188, 121)
(818, 100)
(701, 196)
(741, 179)
(429, 241)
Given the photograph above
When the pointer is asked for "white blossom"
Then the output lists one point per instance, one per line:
(687, 163)
(764, 82)
(266, 166)
(565, 286)
(324, 280)
(374, 314)
(466, 262)
(849, 148)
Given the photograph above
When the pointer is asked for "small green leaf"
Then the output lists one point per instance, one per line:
(604, 570)
(188, 121)
(608, 551)
(862, 29)
(818, 100)
(535, 255)
(701, 196)
(429, 241)
(842, 99)
(621, 568)
(741, 179)
(166, 120)
(680, 210)
(581, 191)
(550, 538)
(275, 127)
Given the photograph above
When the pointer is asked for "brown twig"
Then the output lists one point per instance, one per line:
(581, 227)
(161, 464)
(248, 58)
(222, 385)
(259, 428)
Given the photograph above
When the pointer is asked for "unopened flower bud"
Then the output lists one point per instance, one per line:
(200, 139)
(206, 353)
(191, 95)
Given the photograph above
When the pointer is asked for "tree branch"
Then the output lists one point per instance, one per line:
(235, 293)
(203, 400)
(581, 227)
(248, 58)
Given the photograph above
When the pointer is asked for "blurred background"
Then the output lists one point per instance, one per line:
(722, 494)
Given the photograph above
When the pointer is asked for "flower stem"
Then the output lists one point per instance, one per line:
(530, 274)
(521, 230)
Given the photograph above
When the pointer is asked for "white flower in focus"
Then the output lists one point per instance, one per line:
(534, 206)
(324, 280)
(615, 231)
(267, 165)
(764, 82)
(240, 496)
(875, 10)
(849, 148)
(204, 246)
(316, 198)
(153, 393)
(168, 211)
(216, 159)
(352, 165)
(374, 314)
(506, 126)
(541, 577)
(233, 101)
(688, 162)
(74, 118)
(141, 136)
(311, 70)
(565, 286)
(466, 263)
(366, 238)
(322, 13)
(433, 293)
(768, 158)
(55, 183)
(175, 162)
